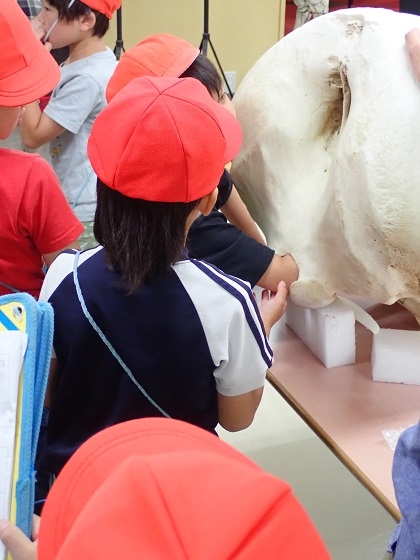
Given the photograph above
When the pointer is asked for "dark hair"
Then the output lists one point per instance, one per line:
(80, 9)
(142, 239)
(203, 70)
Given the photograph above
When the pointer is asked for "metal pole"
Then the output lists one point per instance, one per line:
(119, 45)
(206, 41)
(206, 35)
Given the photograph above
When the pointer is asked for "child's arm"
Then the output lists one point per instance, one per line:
(52, 381)
(18, 544)
(49, 258)
(237, 213)
(281, 268)
(37, 128)
(412, 41)
(406, 479)
(45, 213)
(273, 305)
(237, 412)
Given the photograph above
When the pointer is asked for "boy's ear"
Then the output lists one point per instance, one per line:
(207, 203)
(87, 21)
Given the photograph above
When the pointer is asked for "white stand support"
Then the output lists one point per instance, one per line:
(329, 332)
(396, 356)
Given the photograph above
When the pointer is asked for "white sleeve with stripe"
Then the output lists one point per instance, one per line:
(232, 326)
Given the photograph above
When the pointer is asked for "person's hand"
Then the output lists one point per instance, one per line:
(39, 31)
(412, 41)
(17, 543)
(20, 116)
(273, 305)
(37, 28)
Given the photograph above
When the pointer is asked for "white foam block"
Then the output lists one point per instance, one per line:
(328, 332)
(396, 356)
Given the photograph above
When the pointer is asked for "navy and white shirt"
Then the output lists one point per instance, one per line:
(184, 336)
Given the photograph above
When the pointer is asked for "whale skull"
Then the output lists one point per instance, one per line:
(330, 163)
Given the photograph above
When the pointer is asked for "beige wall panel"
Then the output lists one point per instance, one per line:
(240, 30)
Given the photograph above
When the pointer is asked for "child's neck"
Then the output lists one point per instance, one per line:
(85, 48)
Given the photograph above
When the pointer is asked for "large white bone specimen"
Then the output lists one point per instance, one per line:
(330, 164)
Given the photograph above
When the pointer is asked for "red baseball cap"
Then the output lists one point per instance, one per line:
(161, 488)
(27, 70)
(158, 55)
(106, 7)
(163, 140)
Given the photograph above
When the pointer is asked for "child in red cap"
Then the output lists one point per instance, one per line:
(36, 222)
(76, 101)
(160, 489)
(227, 237)
(140, 328)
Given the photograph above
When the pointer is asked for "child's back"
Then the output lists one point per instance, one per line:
(176, 337)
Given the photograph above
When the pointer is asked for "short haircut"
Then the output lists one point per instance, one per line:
(141, 239)
(80, 9)
(203, 70)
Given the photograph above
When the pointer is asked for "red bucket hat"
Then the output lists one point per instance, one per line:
(158, 55)
(27, 70)
(163, 140)
(106, 7)
(160, 488)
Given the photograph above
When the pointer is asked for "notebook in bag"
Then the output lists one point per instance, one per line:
(26, 334)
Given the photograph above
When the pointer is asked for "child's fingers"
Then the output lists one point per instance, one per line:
(18, 544)
(36, 521)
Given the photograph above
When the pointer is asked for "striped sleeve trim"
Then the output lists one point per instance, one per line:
(242, 292)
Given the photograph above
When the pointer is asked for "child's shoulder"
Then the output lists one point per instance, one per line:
(18, 158)
(95, 66)
(102, 57)
(24, 172)
(212, 279)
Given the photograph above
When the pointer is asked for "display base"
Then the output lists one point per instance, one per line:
(329, 333)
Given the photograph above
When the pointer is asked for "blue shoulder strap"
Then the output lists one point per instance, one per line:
(106, 341)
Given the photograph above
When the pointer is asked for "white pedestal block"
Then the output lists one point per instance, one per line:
(396, 356)
(328, 332)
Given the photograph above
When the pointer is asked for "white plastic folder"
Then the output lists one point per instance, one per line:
(26, 335)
